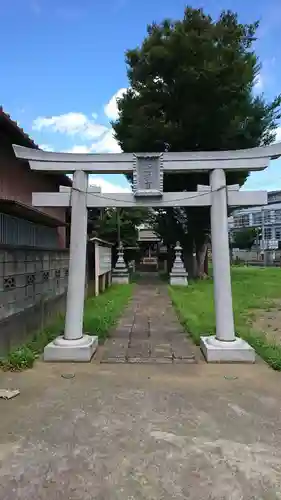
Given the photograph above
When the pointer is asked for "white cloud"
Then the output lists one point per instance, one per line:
(106, 186)
(278, 134)
(106, 144)
(95, 138)
(259, 83)
(80, 149)
(71, 124)
(111, 109)
(46, 147)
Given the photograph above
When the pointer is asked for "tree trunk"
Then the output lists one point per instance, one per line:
(189, 260)
(190, 264)
(206, 264)
(170, 259)
(202, 253)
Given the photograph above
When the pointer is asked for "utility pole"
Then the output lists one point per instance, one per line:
(230, 246)
(118, 227)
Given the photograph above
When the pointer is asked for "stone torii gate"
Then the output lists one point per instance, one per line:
(148, 170)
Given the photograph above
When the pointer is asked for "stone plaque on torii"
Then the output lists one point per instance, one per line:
(148, 170)
(148, 175)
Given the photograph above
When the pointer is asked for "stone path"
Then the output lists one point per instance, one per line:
(149, 331)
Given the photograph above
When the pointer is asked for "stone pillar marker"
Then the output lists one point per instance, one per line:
(178, 274)
(224, 346)
(120, 273)
(73, 345)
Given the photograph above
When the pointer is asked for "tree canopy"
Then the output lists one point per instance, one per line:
(191, 88)
(125, 221)
(245, 238)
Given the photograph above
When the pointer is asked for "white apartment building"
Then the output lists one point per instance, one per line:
(268, 216)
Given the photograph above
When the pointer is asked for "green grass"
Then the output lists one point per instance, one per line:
(135, 277)
(253, 288)
(100, 314)
(164, 276)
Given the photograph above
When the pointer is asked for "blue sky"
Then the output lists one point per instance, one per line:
(62, 64)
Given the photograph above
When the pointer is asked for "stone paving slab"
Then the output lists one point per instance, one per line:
(138, 352)
(139, 344)
(115, 359)
(161, 350)
(122, 333)
(139, 359)
(116, 348)
(149, 331)
(186, 360)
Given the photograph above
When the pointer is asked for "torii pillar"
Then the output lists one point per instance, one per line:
(74, 345)
(224, 346)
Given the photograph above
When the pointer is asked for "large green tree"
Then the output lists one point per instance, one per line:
(113, 225)
(191, 88)
(245, 238)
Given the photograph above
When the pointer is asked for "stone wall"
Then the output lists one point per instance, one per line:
(256, 255)
(33, 285)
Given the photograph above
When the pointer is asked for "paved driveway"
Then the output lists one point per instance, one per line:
(126, 431)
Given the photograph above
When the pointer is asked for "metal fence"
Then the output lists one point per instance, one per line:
(20, 232)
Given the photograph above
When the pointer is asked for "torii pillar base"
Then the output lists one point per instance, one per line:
(81, 349)
(218, 351)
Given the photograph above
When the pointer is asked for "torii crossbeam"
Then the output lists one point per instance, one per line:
(148, 170)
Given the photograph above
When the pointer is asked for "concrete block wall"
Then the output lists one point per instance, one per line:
(246, 255)
(29, 279)
(254, 255)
